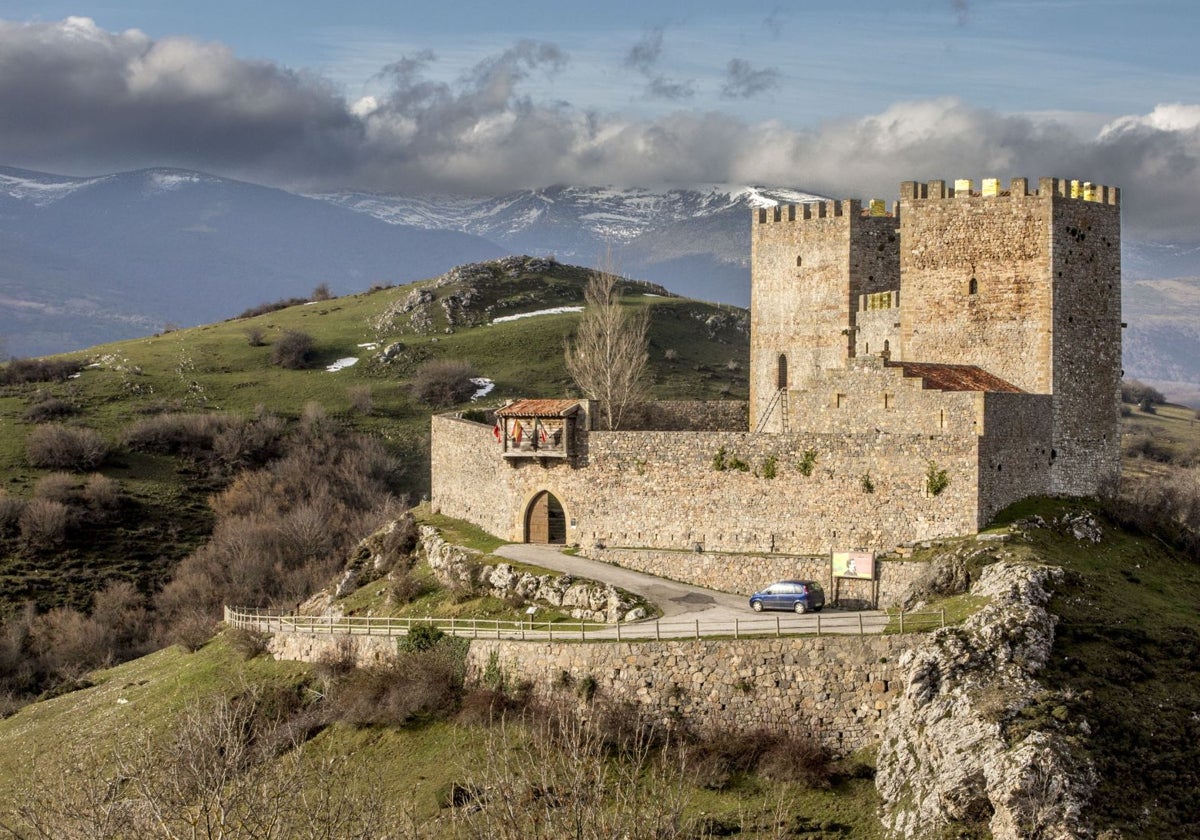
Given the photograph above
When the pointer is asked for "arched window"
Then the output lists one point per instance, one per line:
(973, 287)
(781, 376)
(798, 261)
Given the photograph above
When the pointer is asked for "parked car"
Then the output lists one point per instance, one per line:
(795, 595)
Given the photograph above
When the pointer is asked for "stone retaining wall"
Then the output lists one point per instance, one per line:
(839, 689)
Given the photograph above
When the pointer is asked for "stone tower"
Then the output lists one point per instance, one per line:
(810, 264)
(1027, 286)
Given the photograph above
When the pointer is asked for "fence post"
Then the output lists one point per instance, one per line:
(735, 629)
(657, 630)
(818, 624)
(618, 631)
(697, 628)
(902, 622)
(860, 625)
(779, 630)
(943, 616)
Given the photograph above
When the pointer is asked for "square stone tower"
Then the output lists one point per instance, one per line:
(809, 265)
(1027, 286)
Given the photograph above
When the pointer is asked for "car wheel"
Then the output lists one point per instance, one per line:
(800, 607)
(756, 605)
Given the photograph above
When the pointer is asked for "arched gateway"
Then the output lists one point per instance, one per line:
(545, 521)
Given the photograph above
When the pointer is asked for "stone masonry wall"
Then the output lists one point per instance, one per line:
(1014, 453)
(688, 416)
(838, 689)
(659, 489)
(1086, 252)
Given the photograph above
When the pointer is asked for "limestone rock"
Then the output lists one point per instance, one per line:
(945, 755)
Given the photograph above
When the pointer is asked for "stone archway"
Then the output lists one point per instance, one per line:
(545, 520)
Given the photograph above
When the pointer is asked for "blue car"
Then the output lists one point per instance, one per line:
(795, 595)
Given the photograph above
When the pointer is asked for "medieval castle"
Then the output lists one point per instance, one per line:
(913, 371)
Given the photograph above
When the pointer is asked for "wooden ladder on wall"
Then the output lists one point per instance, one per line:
(778, 400)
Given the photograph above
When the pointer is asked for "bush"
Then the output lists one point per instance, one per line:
(294, 350)
(264, 308)
(360, 399)
(188, 435)
(1135, 393)
(45, 408)
(247, 643)
(405, 587)
(321, 292)
(21, 371)
(420, 684)
(43, 524)
(55, 446)
(10, 510)
(255, 336)
(103, 494)
(442, 383)
(56, 487)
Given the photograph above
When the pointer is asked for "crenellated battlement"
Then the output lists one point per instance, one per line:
(1017, 188)
(844, 208)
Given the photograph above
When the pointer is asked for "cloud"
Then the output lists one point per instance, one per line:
(742, 81)
(774, 22)
(74, 98)
(644, 56)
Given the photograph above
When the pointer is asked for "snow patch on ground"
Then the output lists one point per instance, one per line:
(342, 363)
(484, 385)
(370, 345)
(558, 310)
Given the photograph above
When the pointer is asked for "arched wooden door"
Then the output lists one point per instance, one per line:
(545, 521)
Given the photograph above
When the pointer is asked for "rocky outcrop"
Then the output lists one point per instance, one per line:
(461, 568)
(953, 752)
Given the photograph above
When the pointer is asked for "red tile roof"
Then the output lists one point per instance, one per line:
(940, 377)
(538, 408)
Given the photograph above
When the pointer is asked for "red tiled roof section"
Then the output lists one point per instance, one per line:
(538, 408)
(955, 377)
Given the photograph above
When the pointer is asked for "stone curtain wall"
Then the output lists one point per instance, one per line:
(660, 490)
(469, 475)
(688, 416)
(838, 689)
(1015, 451)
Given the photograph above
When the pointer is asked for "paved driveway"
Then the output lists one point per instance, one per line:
(683, 605)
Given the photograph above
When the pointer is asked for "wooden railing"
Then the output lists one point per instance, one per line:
(861, 624)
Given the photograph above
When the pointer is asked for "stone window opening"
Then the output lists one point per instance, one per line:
(889, 401)
(781, 376)
(973, 287)
(799, 261)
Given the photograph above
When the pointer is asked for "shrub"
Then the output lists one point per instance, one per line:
(770, 467)
(321, 292)
(294, 350)
(419, 684)
(43, 524)
(188, 435)
(1146, 405)
(275, 306)
(247, 643)
(55, 446)
(57, 487)
(45, 408)
(1135, 392)
(21, 371)
(868, 486)
(360, 399)
(807, 462)
(10, 510)
(405, 586)
(255, 336)
(442, 383)
(103, 494)
(936, 479)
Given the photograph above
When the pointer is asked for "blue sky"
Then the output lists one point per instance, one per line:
(483, 97)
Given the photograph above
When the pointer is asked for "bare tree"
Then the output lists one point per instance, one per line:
(607, 358)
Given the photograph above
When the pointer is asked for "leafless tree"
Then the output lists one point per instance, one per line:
(607, 357)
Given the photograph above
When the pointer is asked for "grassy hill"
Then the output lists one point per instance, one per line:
(698, 351)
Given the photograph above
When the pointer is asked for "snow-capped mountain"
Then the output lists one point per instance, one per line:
(89, 260)
(695, 242)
